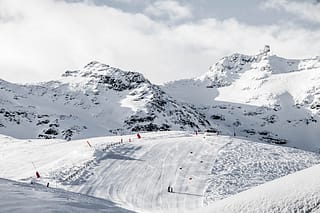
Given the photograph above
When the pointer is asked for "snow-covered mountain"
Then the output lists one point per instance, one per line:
(263, 97)
(94, 101)
(247, 98)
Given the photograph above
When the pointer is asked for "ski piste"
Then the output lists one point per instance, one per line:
(135, 175)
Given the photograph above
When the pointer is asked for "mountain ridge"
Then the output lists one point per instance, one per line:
(263, 97)
(99, 100)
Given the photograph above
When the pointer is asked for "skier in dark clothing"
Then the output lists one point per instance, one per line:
(169, 187)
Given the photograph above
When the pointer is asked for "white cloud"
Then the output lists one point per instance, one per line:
(39, 39)
(306, 10)
(169, 9)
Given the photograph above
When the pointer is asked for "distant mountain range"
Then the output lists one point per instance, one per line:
(263, 97)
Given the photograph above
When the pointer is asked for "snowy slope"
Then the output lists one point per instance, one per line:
(263, 97)
(94, 101)
(298, 192)
(21, 197)
(249, 99)
(135, 175)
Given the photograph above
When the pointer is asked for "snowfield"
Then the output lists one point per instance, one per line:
(298, 192)
(22, 197)
(135, 175)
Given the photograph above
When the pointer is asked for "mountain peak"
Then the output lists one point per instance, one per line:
(230, 68)
(96, 73)
(221, 73)
(89, 69)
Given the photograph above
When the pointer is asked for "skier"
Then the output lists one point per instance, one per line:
(37, 174)
(169, 188)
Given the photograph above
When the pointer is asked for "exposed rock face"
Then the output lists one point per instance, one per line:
(96, 100)
(263, 97)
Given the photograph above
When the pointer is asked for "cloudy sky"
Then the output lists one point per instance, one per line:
(163, 39)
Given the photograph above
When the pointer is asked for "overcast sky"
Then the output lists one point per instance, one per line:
(163, 39)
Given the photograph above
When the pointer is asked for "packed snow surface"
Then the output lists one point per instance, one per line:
(135, 175)
(22, 197)
(298, 192)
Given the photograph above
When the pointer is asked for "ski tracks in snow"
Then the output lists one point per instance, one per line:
(200, 170)
(137, 175)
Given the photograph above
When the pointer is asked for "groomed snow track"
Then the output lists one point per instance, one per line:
(136, 174)
(201, 170)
